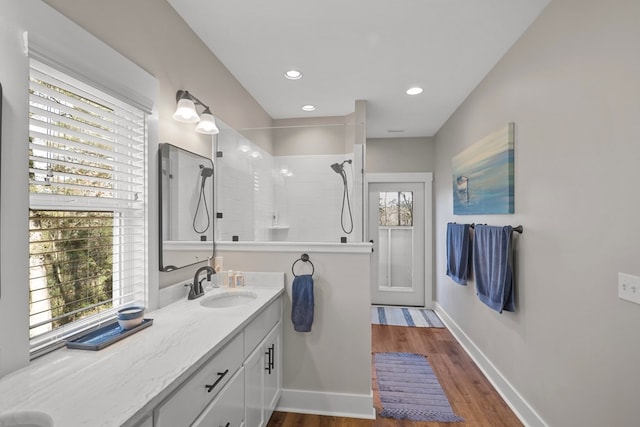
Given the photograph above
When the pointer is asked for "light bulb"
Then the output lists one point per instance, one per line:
(186, 111)
(207, 123)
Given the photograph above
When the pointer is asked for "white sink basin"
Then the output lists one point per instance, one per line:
(26, 419)
(228, 299)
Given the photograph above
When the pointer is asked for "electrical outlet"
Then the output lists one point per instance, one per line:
(629, 287)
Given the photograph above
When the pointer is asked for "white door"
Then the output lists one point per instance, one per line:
(398, 227)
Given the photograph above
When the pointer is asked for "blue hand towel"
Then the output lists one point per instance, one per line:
(458, 252)
(302, 303)
(492, 264)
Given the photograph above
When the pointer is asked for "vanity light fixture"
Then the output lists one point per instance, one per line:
(186, 113)
(414, 91)
(309, 107)
(293, 74)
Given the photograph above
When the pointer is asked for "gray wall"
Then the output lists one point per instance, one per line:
(313, 136)
(389, 155)
(571, 84)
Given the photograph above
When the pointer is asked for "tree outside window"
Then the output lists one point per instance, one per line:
(396, 208)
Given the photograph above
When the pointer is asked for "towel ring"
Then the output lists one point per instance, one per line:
(303, 258)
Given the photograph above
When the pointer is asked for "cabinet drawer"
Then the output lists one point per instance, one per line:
(196, 392)
(261, 325)
(227, 409)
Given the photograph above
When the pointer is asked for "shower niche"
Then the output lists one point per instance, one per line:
(186, 189)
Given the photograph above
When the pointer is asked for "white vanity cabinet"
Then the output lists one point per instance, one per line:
(238, 386)
(227, 409)
(198, 391)
(273, 371)
(263, 378)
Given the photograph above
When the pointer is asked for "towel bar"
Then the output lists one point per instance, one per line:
(518, 229)
(303, 258)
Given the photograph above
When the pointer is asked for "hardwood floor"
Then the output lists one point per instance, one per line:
(469, 392)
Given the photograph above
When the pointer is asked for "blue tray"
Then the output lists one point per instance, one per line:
(106, 335)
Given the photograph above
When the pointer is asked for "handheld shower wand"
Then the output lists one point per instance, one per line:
(339, 169)
(205, 173)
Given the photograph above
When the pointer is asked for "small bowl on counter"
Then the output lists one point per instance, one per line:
(130, 317)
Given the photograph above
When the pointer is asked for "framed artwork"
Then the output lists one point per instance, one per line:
(483, 175)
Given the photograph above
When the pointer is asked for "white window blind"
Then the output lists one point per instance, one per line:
(87, 206)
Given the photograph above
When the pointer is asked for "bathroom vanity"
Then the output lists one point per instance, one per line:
(242, 378)
(196, 365)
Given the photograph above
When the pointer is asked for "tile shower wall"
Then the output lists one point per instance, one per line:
(308, 198)
(285, 198)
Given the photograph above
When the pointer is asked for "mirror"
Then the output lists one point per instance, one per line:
(186, 207)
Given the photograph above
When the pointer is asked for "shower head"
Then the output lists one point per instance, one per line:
(205, 172)
(337, 168)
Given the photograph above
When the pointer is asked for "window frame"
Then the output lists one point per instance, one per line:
(53, 339)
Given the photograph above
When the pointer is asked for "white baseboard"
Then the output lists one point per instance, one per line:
(522, 409)
(332, 404)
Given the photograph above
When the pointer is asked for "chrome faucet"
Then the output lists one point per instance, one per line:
(196, 290)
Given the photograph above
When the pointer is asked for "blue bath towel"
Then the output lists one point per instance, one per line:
(458, 252)
(302, 303)
(492, 264)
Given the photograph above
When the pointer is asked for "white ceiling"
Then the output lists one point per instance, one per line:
(369, 50)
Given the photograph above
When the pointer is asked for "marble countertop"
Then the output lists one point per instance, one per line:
(120, 384)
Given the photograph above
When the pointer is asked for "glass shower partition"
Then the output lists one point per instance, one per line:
(277, 184)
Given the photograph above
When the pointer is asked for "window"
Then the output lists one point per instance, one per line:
(396, 208)
(87, 206)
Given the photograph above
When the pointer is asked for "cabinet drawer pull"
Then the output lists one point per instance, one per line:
(273, 356)
(272, 349)
(271, 360)
(221, 375)
(268, 368)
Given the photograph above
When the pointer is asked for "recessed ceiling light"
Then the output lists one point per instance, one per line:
(414, 91)
(293, 74)
(395, 130)
(309, 107)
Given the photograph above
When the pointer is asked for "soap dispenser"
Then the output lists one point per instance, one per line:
(231, 279)
(239, 280)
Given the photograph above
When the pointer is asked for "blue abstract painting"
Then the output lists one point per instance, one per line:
(483, 175)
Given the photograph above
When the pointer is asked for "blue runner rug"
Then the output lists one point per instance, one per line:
(409, 389)
(405, 316)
